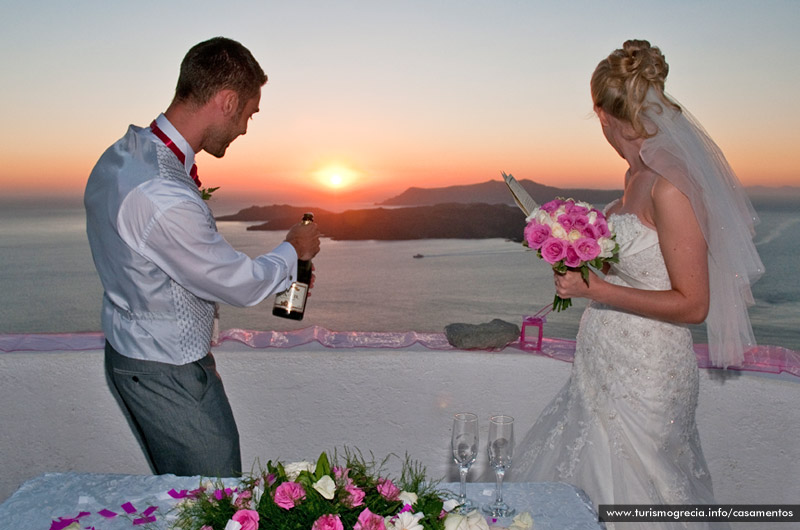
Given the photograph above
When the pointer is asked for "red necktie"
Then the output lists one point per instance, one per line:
(174, 148)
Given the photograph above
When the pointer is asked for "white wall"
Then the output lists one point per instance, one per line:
(57, 413)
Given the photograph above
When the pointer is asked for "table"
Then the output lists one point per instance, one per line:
(53, 496)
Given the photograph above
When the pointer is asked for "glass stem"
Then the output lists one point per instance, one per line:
(463, 472)
(499, 473)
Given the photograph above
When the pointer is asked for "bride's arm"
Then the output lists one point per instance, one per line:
(685, 255)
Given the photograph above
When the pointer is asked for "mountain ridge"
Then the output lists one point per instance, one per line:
(470, 211)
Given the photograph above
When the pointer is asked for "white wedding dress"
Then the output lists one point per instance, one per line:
(623, 427)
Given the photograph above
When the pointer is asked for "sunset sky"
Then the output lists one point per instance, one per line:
(368, 98)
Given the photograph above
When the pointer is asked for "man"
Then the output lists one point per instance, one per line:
(164, 266)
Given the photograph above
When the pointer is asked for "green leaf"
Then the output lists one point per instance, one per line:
(206, 192)
(323, 466)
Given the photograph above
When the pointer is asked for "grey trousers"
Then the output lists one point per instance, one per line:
(180, 413)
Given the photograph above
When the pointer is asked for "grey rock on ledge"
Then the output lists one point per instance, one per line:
(490, 335)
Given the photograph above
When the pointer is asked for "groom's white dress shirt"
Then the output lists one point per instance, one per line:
(161, 261)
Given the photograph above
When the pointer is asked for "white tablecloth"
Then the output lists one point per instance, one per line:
(62, 496)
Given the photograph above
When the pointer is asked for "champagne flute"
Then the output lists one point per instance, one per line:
(464, 443)
(501, 449)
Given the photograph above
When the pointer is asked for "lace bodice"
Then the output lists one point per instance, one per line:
(641, 263)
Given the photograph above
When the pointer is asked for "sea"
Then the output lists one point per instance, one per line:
(48, 282)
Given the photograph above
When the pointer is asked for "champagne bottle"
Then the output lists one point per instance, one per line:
(291, 303)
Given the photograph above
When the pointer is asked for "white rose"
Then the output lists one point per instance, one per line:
(574, 235)
(607, 246)
(558, 231)
(325, 486)
(472, 521)
(584, 204)
(294, 469)
(408, 497)
(523, 521)
(543, 218)
(404, 521)
(592, 216)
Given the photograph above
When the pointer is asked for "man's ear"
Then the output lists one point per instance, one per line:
(227, 101)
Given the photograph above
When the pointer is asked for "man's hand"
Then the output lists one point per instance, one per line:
(305, 240)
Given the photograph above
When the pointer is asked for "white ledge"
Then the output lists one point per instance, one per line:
(292, 403)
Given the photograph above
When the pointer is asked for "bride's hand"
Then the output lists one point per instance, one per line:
(571, 284)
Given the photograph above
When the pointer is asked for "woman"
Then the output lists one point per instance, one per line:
(623, 428)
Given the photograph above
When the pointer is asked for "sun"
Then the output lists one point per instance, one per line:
(335, 180)
(336, 177)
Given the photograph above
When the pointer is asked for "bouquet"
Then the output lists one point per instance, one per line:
(303, 495)
(571, 235)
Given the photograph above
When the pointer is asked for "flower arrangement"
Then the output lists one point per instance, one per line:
(323, 496)
(571, 235)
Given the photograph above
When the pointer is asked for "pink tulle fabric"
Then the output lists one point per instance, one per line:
(768, 359)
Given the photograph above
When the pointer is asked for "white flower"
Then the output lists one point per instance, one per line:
(607, 246)
(293, 470)
(592, 216)
(233, 525)
(472, 521)
(325, 486)
(182, 504)
(558, 231)
(523, 521)
(543, 218)
(404, 521)
(408, 497)
(574, 235)
(449, 505)
(258, 491)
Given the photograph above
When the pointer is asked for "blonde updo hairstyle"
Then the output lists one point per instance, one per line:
(621, 81)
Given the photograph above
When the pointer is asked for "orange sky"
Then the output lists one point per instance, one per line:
(385, 96)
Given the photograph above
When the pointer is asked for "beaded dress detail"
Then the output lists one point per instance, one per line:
(623, 427)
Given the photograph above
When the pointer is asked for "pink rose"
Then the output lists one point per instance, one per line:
(552, 206)
(328, 522)
(369, 521)
(536, 234)
(586, 248)
(288, 493)
(355, 495)
(553, 250)
(566, 221)
(576, 209)
(247, 518)
(580, 221)
(387, 489)
(601, 227)
(590, 231)
(571, 259)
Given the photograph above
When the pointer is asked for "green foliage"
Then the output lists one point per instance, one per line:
(206, 192)
(215, 505)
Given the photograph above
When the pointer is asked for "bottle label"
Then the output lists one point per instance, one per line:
(293, 298)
